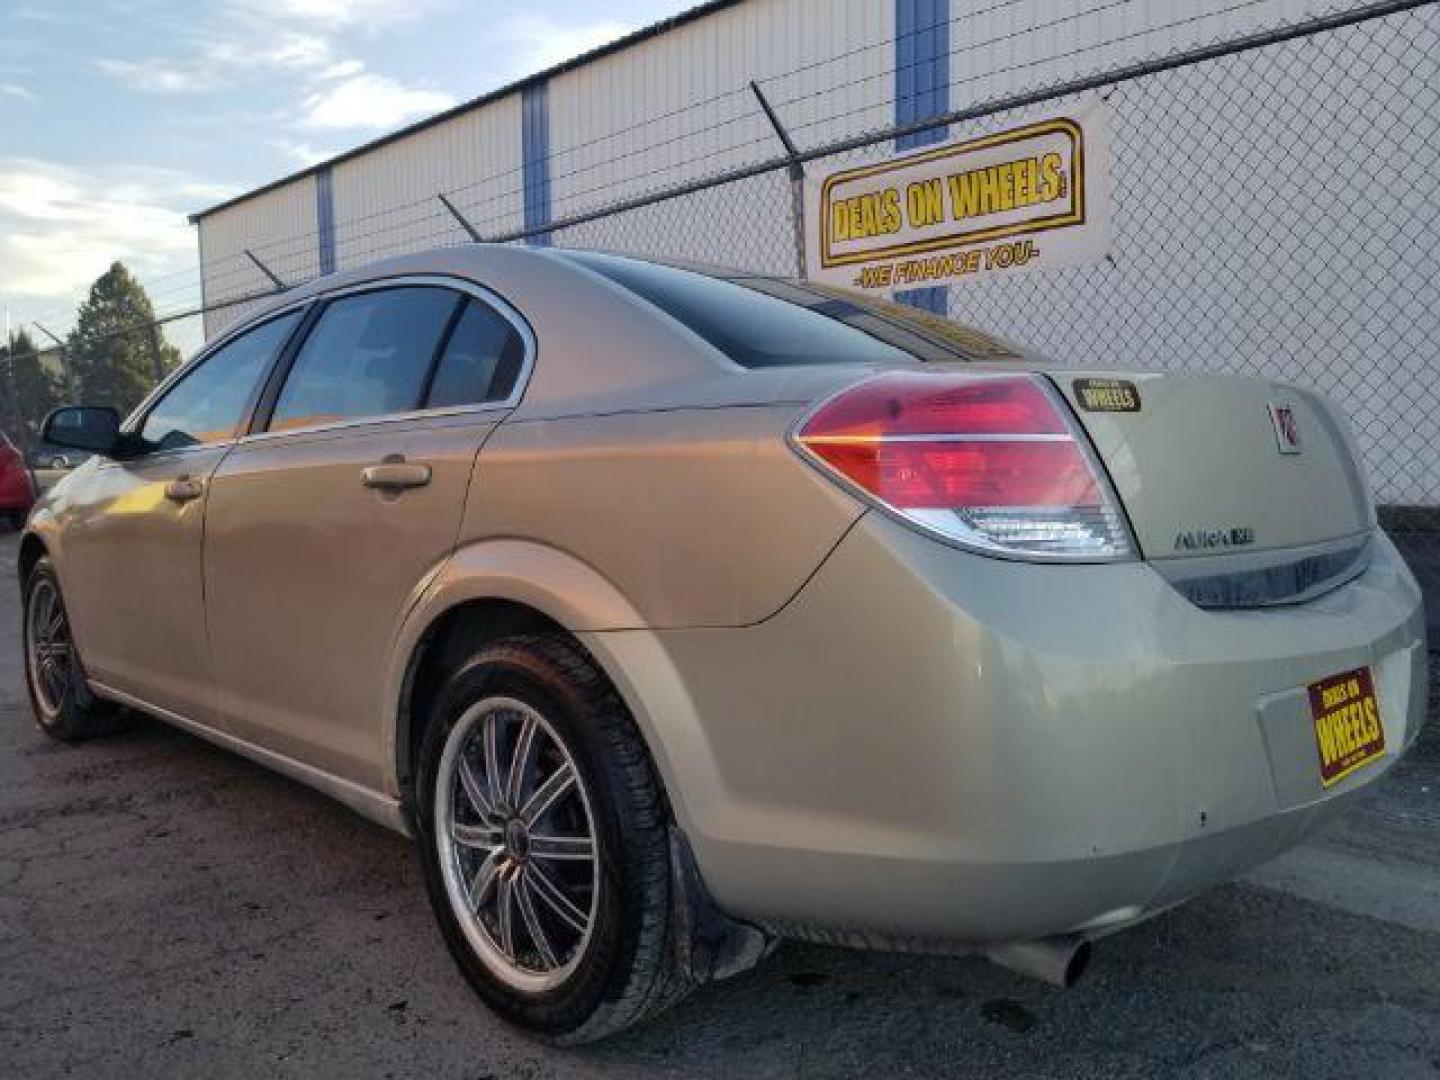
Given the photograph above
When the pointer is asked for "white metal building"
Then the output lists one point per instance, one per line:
(673, 103)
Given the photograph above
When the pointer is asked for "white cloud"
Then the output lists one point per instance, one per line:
(159, 76)
(304, 153)
(15, 90)
(218, 61)
(292, 50)
(531, 43)
(370, 101)
(342, 68)
(60, 227)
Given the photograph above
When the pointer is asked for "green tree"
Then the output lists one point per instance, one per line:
(116, 351)
(29, 385)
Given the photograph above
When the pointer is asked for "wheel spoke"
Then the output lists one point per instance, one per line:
(520, 762)
(546, 795)
(474, 790)
(561, 847)
(52, 677)
(556, 900)
(44, 611)
(485, 837)
(492, 759)
(524, 894)
(484, 880)
(505, 909)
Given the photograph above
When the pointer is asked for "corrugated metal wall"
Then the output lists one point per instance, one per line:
(999, 47)
(678, 106)
(280, 227)
(385, 200)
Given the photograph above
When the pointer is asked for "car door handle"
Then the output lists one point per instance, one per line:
(395, 475)
(182, 489)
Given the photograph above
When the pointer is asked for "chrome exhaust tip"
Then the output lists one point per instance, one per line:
(1059, 961)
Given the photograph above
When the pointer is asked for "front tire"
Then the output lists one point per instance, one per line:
(60, 698)
(543, 835)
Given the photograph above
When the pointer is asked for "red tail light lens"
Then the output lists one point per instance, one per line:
(988, 461)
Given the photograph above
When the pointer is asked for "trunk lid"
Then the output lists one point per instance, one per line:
(1215, 465)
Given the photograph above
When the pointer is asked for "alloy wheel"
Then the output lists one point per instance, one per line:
(49, 652)
(517, 843)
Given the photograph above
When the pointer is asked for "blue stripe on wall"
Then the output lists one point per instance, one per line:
(325, 220)
(535, 158)
(922, 67)
(922, 90)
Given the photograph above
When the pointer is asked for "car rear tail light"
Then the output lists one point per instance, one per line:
(989, 462)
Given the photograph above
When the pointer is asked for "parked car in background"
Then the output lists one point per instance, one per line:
(673, 612)
(17, 484)
(45, 456)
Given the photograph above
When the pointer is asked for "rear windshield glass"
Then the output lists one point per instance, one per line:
(769, 322)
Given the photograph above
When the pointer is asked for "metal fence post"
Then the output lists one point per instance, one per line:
(797, 179)
(66, 370)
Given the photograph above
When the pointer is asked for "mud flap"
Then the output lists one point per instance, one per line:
(709, 945)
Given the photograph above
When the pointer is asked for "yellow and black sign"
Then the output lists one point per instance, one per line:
(1029, 196)
(1107, 395)
(1348, 731)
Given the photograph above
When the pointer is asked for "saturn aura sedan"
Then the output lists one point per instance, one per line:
(674, 612)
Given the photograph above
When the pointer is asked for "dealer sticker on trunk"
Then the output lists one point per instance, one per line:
(1348, 732)
(1107, 395)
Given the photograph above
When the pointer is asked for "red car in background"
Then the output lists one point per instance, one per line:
(17, 485)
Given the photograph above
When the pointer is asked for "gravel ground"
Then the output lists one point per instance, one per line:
(168, 909)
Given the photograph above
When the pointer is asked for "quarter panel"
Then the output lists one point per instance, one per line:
(697, 516)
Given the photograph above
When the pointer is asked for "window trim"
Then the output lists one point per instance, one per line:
(275, 382)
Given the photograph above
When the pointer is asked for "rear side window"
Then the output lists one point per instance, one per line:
(750, 327)
(208, 404)
(368, 355)
(481, 361)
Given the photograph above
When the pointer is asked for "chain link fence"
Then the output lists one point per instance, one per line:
(1276, 212)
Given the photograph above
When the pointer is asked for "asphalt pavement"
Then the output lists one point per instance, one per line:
(171, 910)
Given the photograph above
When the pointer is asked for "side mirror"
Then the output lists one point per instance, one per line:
(92, 428)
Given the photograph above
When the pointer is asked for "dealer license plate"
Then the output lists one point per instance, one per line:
(1348, 732)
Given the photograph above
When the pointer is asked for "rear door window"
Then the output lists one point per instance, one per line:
(210, 402)
(481, 361)
(367, 355)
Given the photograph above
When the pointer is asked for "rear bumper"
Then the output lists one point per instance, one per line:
(931, 747)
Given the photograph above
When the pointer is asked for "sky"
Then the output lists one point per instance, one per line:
(120, 117)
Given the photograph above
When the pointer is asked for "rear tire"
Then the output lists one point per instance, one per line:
(60, 698)
(600, 957)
